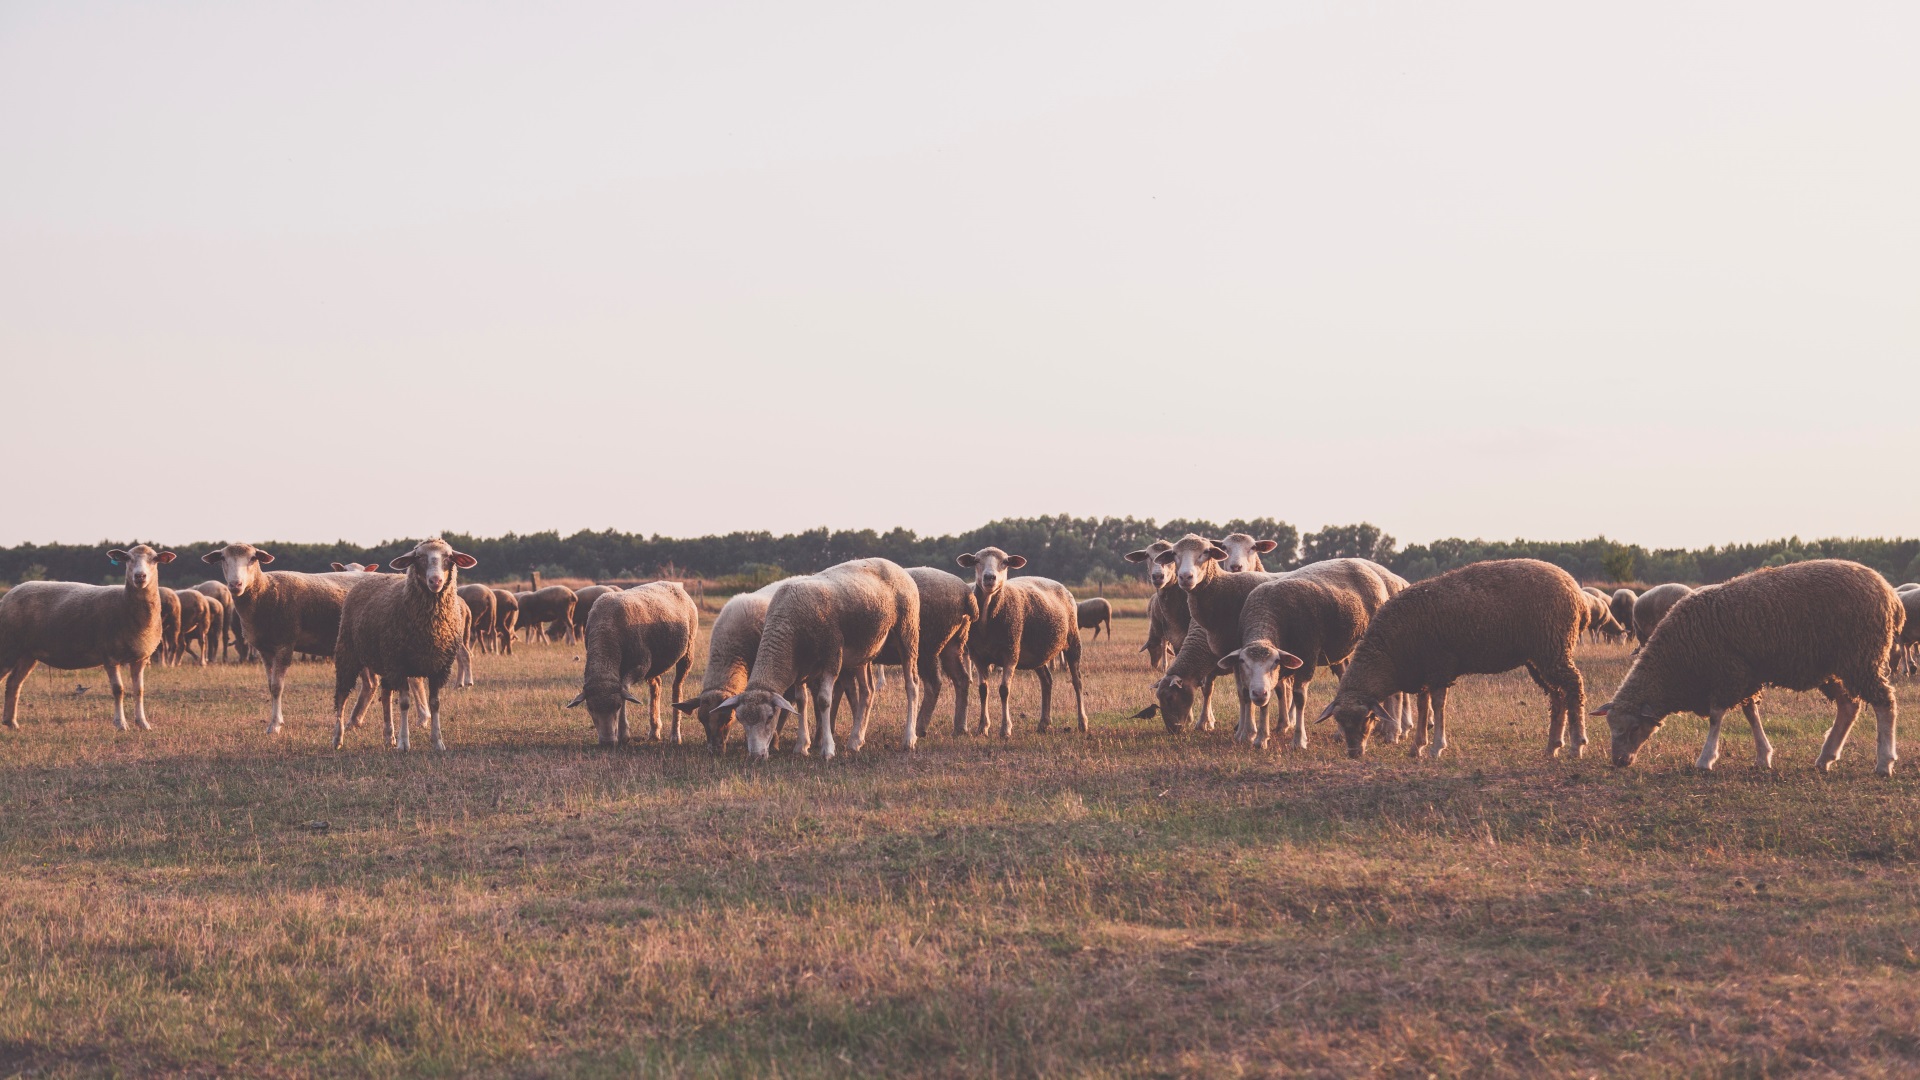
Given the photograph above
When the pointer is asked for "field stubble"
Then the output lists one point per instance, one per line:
(207, 898)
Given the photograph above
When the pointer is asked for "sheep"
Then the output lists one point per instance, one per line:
(356, 568)
(635, 636)
(1214, 599)
(1192, 668)
(731, 645)
(822, 629)
(481, 605)
(403, 629)
(506, 617)
(1652, 606)
(583, 606)
(1824, 623)
(165, 653)
(1910, 630)
(1023, 623)
(1621, 608)
(1599, 621)
(1168, 619)
(1301, 621)
(283, 611)
(1095, 612)
(229, 623)
(947, 614)
(1243, 552)
(551, 605)
(1481, 619)
(199, 622)
(69, 625)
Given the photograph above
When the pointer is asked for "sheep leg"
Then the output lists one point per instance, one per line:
(929, 697)
(653, 708)
(985, 670)
(823, 716)
(360, 703)
(953, 662)
(386, 710)
(914, 686)
(403, 728)
(1848, 707)
(1079, 692)
(1423, 718)
(1439, 725)
(277, 665)
(860, 701)
(119, 695)
(1299, 717)
(1006, 715)
(1762, 749)
(21, 669)
(1206, 702)
(1886, 718)
(680, 670)
(137, 671)
(1045, 674)
(1244, 732)
(430, 707)
(1710, 753)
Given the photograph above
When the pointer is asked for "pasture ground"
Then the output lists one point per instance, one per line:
(1124, 905)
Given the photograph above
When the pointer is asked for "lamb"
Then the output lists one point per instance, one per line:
(1093, 613)
(553, 604)
(636, 636)
(1652, 606)
(506, 617)
(199, 622)
(947, 613)
(1481, 619)
(403, 629)
(229, 622)
(481, 605)
(1214, 600)
(283, 611)
(583, 606)
(1243, 552)
(1168, 619)
(69, 625)
(731, 646)
(1299, 622)
(1824, 623)
(824, 628)
(1023, 623)
(1192, 668)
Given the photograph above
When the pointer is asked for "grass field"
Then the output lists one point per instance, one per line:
(1124, 905)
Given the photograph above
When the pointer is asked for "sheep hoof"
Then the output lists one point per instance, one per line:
(1825, 764)
(1885, 768)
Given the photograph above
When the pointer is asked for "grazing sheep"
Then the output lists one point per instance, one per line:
(1243, 552)
(198, 623)
(166, 654)
(402, 629)
(1168, 619)
(1214, 600)
(1600, 623)
(481, 605)
(583, 606)
(1621, 607)
(1909, 637)
(1192, 669)
(283, 612)
(1481, 619)
(1093, 614)
(1023, 623)
(822, 629)
(1652, 606)
(1823, 624)
(229, 623)
(551, 605)
(731, 645)
(506, 618)
(635, 636)
(1297, 623)
(70, 625)
(947, 614)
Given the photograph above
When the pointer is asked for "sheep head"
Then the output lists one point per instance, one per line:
(239, 565)
(758, 712)
(604, 703)
(1259, 665)
(1191, 560)
(708, 709)
(1632, 724)
(433, 565)
(1157, 574)
(355, 568)
(1243, 552)
(1357, 717)
(990, 568)
(143, 564)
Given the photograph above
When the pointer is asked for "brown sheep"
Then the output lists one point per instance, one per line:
(635, 636)
(1023, 624)
(1822, 624)
(283, 612)
(230, 632)
(552, 605)
(1621, 608)
(1191, 670)
(506, 619)
(1652, 606)
(70, 625)
(481, 605)
(1094, 613)
(1481, 619)
(402, 629)
(199, 622)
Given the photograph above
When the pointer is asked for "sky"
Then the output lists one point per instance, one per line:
(363, 271)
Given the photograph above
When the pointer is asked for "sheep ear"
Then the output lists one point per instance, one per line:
(1147, 713)
(1015, 562)
(1141, 555)
(213, 558)
(1264, 546)
(165, 557)
(116, 556)
(577, 699)
(628, 694)
(262, 557)
(1602, 710)
(1290, 661)
(783, 703)
(373, 568)
(728, 704)
(1327, 714)
(339, 566)
(688, 706)
(968, 559)
(1216, 553)
(1177, 682)
(402, 562)
(1380, 709)
(462, 560)
(1227, 662)
(1165, 558)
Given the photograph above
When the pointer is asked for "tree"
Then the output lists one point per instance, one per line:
(1362, 541)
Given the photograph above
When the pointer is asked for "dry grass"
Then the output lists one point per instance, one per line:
(1123, 905)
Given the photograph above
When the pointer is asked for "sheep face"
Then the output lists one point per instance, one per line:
(604, 704)
(1356, 717)
(1191, 560)
(239, 565)
(1157, 574)
(1175, 695)
(433, 565)
(1632, 726)
(706, 708)
(1259, 665)
(354, 568)
(758, 712)
(142, 562)
(990, 568)
(1243, 552)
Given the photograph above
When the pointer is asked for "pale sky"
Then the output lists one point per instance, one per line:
(331, 270)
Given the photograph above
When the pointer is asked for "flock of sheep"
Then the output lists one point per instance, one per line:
(808, 644)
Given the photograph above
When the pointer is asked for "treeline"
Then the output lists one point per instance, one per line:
(1077, 550)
